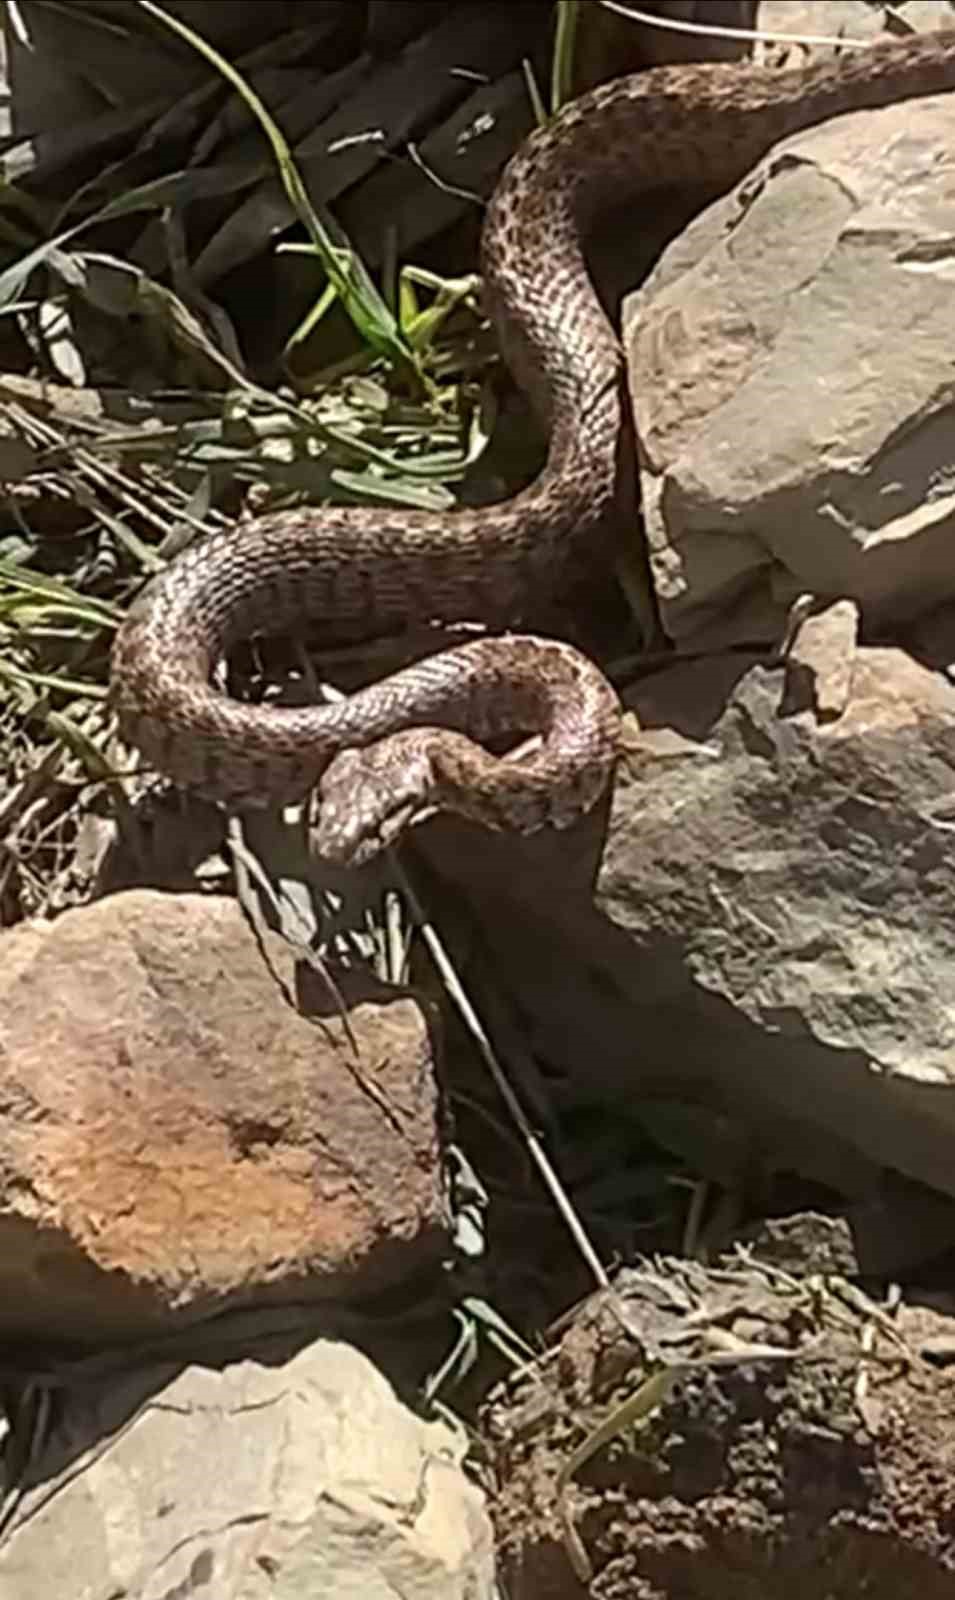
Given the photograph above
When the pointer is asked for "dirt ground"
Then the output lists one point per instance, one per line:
(824, 1475)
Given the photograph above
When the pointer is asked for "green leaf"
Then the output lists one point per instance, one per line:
(343, 267)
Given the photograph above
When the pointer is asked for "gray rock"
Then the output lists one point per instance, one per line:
(767, 926)
(305, 1480)
(790, 363)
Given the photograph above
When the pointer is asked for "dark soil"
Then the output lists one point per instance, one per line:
(826, 1477)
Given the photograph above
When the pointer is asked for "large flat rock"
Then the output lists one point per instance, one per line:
(790, 367)
(766, 924)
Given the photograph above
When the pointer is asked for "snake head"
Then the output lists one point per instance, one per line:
(368, 797)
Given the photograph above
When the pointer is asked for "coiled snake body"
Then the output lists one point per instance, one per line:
(408, 739)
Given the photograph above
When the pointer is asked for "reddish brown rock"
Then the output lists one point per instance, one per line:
(177, 1137)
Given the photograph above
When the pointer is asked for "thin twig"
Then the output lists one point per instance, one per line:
(458, 994)
(712, 30)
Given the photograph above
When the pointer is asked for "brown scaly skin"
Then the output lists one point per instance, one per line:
(366, 572)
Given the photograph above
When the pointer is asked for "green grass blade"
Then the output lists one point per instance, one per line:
(562, 65)
(344, 269)
(144, 198)
(44, 590)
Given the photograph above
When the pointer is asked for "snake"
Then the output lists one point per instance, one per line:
(425, 736)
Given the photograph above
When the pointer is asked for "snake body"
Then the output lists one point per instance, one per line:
(409, 739)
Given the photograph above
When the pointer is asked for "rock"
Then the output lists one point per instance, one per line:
(292, 1479)
(766, 926)
(900, 1223)
(790, 362)
(821, 1472)
(803, 1243)
(821, 659)
(186, 1124)
(829, 23)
